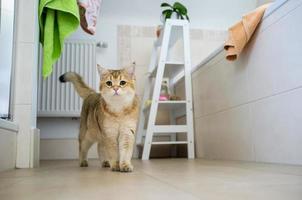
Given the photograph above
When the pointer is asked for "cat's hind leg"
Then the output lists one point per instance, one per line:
(83, 151)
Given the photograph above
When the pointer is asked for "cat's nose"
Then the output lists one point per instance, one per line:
(115, 90)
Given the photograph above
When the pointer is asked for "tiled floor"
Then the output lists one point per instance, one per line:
(156, 179)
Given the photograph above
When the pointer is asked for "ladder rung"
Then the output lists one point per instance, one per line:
(172, 102)
(170, 142)
(174, 63)
(159, 134)
(170, 128)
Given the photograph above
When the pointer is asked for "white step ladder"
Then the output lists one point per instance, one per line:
(158, 69)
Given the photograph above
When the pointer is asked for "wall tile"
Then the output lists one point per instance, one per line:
(23, 82)
(124, 31)
(227, 135)
(23, 117)
(200, 80)
(200, 49)
(279, 13)
(277, 128)
(200, 129)
(141, 76)
(141, 54)
(222, 86)
(278, 64)
(26, 17)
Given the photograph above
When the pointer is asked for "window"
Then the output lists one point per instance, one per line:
(6, 53)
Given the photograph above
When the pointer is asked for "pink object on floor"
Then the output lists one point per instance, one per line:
(89, 10)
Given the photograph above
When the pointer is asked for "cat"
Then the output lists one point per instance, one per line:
(108, 118)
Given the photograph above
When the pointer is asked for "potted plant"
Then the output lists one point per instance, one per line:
(177, 11)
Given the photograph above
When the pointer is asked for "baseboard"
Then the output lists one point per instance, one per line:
(67, 148)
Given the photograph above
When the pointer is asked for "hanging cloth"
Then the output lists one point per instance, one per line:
(89, 10)
(57, 20)
(241, 32)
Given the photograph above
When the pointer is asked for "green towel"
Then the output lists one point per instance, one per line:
(57, 20)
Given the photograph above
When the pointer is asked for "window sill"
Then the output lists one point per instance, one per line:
(8, 125)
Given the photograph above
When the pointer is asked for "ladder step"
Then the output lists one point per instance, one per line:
(172, 68)
(181, 63)
(173, 102)
(170, 142)
(177, 106)
(170, 128)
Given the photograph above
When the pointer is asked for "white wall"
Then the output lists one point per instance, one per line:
(207, 14)
(261, 2)
(204, 14)
(8, 140)
(251, 109)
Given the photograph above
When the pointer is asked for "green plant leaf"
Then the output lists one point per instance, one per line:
(168, 14)
(178, 12)
(166, 5)
(167, 10)
(178, 8)
(187, 17)
(181, 8)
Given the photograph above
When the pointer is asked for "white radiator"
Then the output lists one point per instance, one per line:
(56, 99)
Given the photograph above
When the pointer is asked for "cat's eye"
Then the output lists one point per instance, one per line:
(122, 83)
(109, 83)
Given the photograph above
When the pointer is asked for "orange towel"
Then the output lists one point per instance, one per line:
(240, 33)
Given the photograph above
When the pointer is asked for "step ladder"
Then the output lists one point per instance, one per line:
(159, 69)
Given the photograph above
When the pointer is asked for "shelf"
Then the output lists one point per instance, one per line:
(171, 69)
(168, 105)
(170, 142)
(168, 71)
(171, 103)
(164, 142)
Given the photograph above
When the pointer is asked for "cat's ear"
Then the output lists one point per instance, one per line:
(131, 70)
(101, 70)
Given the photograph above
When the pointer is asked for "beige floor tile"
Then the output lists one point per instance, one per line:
(228, 180)
(154, 179)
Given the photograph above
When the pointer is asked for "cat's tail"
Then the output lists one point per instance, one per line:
(80, 86)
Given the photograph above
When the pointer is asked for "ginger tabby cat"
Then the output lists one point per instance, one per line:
(108, 118)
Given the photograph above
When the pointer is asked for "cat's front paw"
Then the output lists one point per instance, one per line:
(84, 163)
(115, 166)
(126, 166)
